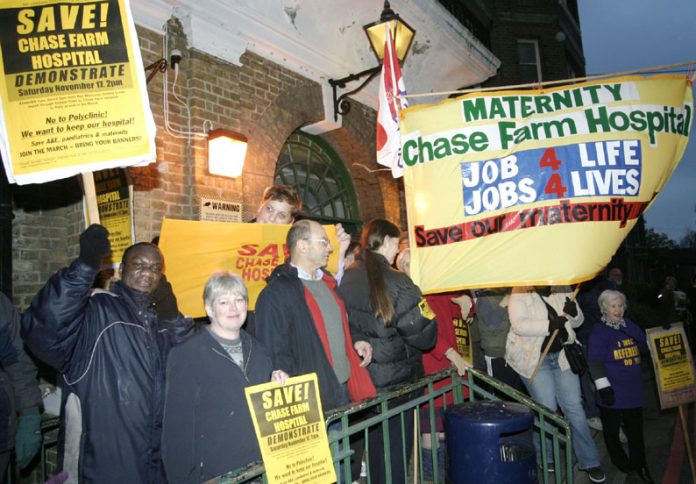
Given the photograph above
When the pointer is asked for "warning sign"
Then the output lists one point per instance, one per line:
(216, 210)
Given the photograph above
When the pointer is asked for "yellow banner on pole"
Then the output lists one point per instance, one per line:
(72, 89)
(290, 428)
(673, 365)
(194, 250)
(536, 187)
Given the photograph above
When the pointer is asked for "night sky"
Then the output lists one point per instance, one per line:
(622, 35)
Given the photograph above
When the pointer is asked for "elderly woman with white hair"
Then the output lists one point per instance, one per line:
(207, 429)
(614, 357)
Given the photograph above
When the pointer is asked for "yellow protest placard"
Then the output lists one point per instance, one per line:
(673, 365)
(115, 204)
(72, 87)
(289, 424)
(536, 187)
(194, 250)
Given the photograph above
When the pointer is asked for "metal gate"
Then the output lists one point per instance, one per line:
(423, 399)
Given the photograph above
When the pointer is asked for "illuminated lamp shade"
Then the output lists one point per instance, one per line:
(226, 153)
(401, 32)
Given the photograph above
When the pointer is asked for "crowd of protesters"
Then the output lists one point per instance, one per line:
(152, 396)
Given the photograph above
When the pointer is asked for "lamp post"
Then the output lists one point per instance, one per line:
(402, 34)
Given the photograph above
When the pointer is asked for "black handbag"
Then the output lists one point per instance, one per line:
(575, 357)
(573, 351)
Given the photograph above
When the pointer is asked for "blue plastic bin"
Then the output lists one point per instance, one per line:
(490, 442)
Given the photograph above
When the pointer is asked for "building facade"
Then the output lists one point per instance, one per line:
(260, 68)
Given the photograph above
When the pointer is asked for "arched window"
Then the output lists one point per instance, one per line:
(313, 168)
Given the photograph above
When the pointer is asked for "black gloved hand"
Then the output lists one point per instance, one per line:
(570, 308)
(165, 300)
(94, 245)
(557, 323)
(607, 396)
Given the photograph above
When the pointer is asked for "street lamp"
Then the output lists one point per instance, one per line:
(402, 34)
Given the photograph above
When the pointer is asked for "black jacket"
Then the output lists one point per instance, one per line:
(112, 352)
(285, 327)
(396, 350)
(19, 390)
(207, 427)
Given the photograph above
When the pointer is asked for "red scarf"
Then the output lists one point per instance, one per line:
(359, 384)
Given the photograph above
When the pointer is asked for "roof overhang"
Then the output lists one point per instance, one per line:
(324, 39)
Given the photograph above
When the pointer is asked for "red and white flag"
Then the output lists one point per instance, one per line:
(391, 100)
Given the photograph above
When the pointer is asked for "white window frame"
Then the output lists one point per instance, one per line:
(537, 57)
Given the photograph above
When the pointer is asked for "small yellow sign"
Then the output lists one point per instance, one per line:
(289, 424)
(673, 365)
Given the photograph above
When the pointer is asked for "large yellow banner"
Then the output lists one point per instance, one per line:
(72, 89)
(193, 251)
(536, 187)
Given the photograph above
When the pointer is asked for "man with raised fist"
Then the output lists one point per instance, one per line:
(111, 351)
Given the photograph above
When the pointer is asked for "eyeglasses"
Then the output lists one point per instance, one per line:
(324, 242)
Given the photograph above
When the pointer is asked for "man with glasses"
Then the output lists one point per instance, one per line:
(281, 205)
(302, 322)
(111, 351)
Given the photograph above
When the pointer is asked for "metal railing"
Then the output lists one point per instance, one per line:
(423, 399)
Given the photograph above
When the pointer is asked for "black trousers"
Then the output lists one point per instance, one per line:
(397, 446)
(632, 420)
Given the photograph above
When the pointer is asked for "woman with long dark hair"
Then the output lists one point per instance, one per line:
(388, 310)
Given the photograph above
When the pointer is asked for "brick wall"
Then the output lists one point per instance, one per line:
(258, 98)
(538, 20)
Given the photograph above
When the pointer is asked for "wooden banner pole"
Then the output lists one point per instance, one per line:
(551, 339)
(687, 441)
(90, 198)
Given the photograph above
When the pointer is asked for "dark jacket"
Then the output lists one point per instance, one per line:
(285, 327)
(207, 426)
(112, 352)
(19, 391)
(396, 350)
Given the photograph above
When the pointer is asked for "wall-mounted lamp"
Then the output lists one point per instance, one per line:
(226, 153)
(402, 34)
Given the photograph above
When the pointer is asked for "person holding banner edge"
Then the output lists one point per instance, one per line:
(302, 322)
(281, 204)
(535, 314)
(111, 351)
